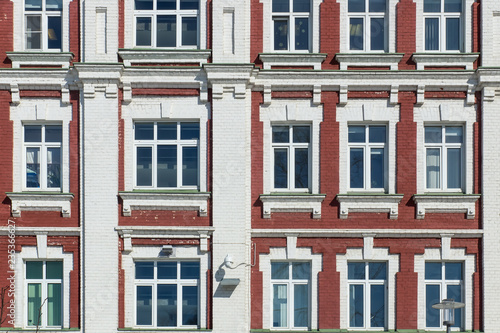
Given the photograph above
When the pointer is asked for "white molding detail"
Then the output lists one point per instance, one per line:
(19, 59)
(446, 203)
(369, 60)
(164, 201)
(360, 233)
(158, 56)
(292, 59)
(371, 203)
(164, 231)
(60, 202)
(445, 60)
(50, 231)
(290, 203)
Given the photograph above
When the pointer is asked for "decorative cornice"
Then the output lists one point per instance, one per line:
(369, 202)
(138, 56)
(33, 231)
(36, 201)
(292, 59)
(369, 59)
(292, 203)
(19, 59)
(446, 203)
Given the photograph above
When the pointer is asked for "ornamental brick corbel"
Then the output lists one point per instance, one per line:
(14, 92)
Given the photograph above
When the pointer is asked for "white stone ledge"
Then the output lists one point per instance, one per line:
(19, 59)
(291, 203)
(360, 233)
(31, 231)
(145, 56)
(369, 60)
(164, 201)
(446, 203)
(445, 60)
(369, 203)
(292, 59)
(33, 201)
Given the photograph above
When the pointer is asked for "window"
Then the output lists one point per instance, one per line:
(166, 23)
(290, 290)
(167, 293)
(367, 25)
(291, 25)
(43, 28)
(44, 293)
(442, 25)
(42, 145)
(167, 154)
(367, 294)
(291, 156)
(367, 161)
(443, 154)
(442, 280)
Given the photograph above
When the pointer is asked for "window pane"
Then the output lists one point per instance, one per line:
(356, 31)
(144, 305)
(453, 271)
(356, 168)
(454, 168)
(377, 270)
(33, 4)
(433, 271)
(33, 32)
(280, 134)
(377, 34)
(433, 134)
(190, 270)
(453, 6)
(454, 134)
(34, 269)
(356, 305)
(432, 34)
(356, 134)
(54, 167)
(432, 296)
(167, 305)
(32, 167)
(143, 4)
(303, 6)
(279, 270)
(190, 166)
(452, 33)
(280, 34)
(301, 270)
(301, 305)
(455, 292)
(166, 4)
(144, 166)
(32, 133)
(190, 131)
(54, 269)
(54, 305)
(301, 134)
(166, 166)
(144, 270)
(53, 133)
(143, 31)
(189, 31)
(280, 168)
(166, 35)
(280, 305)
(432, 6)
(190, 305)
(356, 6)
(190, 4)
(377, 306)
(301, 168)
(34, 303)
(54, 5)
(54, 36)
(377, 5)
(356, 270)
(144, 131)
(377, 134)
(166, 270)
(281, 6)
(166, 131)
(301, 34)
(377, 168)
(433, 172)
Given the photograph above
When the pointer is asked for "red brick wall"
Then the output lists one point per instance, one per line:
(74, 29)
(7, 26)
(256, 31)
(405, 32)
(330, 32)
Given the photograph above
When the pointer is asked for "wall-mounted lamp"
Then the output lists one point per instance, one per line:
(448, 306)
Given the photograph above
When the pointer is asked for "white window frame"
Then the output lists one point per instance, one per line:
(442, 16)
(179, 15)
(366, 16)
(33, 253)
(153, 283)
(44, 15)
(151, 253)
(368, 254)
(445, 253)
(465, 24)
(290, 254)
(290, 17)
(179, 143)
(367, 146)
(130, 15)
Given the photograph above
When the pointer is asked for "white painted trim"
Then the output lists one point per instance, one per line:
(292, 203)
(164, 201)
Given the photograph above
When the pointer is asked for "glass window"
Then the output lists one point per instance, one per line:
(367, 25)
(443, 25)
(291, 25)
(167, 293)
(43, 25)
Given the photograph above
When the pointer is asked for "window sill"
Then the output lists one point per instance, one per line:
(164, 56)
(369, 203)
(452, 60)
(164, 200)
(446, 203)
(40, 201)
(43, 59)
(390, 60)
(314, 60)
(292, 202)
